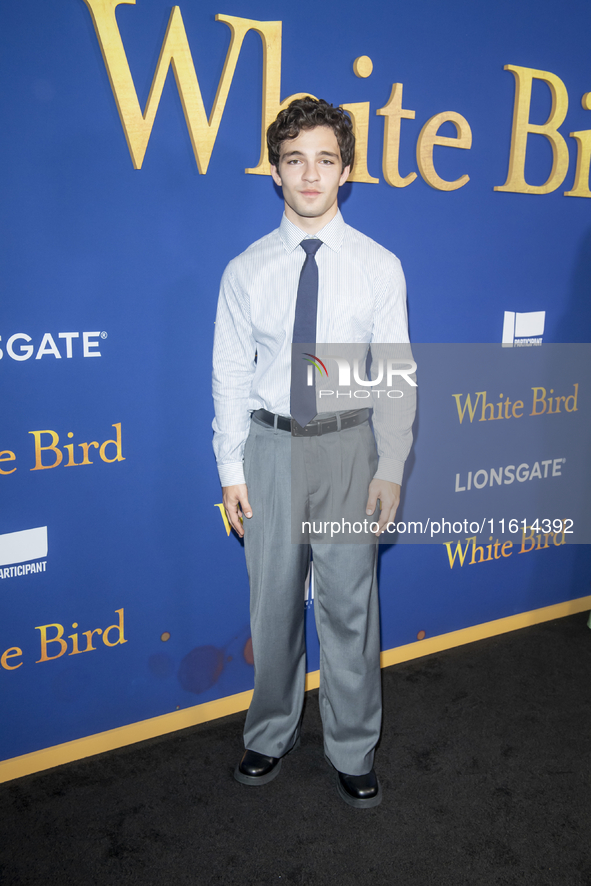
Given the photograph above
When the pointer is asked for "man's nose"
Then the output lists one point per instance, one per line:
(311, 173)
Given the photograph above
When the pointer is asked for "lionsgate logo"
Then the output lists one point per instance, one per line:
(337, 376)
(20, 346)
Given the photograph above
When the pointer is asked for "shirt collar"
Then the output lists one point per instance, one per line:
(332, 234)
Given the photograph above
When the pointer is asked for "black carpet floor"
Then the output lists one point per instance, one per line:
(484, 762)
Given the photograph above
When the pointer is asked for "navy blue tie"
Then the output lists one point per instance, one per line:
(303, 395)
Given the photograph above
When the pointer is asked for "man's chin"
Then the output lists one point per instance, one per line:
(307, 210)
(310, 211)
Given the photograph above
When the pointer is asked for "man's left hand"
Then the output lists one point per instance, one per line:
(389, 496)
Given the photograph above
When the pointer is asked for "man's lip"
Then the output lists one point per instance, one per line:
(309, 193)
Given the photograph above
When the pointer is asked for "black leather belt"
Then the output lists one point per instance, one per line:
(314, 428)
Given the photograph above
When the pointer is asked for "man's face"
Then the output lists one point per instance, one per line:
(310, 175)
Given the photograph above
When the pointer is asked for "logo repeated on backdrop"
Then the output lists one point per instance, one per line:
(523, 330)
(542, 483)
(533, 538)
(23, 552)
(47, 453)
(512, 431)
(540, 400)
(52, 644)
(20, 346)
(476, 408)
(541, 470)
(203, 129)
(543, 402)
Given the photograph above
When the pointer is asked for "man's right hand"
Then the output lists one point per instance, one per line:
(236, 505)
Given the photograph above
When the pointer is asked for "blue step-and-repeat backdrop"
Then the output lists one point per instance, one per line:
(132, 172)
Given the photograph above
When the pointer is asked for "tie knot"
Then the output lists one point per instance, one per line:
(311, 247)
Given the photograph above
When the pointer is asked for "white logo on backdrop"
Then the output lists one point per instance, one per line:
(22, 547)
(73, 344)
(523, 330)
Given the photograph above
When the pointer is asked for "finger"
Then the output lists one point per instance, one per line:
(387, 516)
(392, 513)
(246, 508)
(232, 508)
(234, 518)
(371, 503)
(382, 523)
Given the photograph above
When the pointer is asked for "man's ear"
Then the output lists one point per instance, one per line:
(344, 175)
(276, 176)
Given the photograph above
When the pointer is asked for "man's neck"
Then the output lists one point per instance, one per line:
(311, 226)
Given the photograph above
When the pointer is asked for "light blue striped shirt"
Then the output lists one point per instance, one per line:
(361, 298)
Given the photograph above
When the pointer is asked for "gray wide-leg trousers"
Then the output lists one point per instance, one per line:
(345, 603)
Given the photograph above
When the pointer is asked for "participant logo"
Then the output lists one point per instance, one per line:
(523, 330)
(19, 549)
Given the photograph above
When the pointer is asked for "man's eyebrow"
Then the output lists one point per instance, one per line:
(296, 153)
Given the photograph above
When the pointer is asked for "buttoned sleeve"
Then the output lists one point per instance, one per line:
(234, 366)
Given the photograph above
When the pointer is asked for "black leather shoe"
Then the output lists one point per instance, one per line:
(360, 791)
(255, 768)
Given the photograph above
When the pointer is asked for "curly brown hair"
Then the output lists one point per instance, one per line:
(307, 113)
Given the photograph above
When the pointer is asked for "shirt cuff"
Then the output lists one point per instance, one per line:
(232, 474)
(390, 469)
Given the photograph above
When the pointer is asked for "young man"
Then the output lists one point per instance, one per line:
(314, 279)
